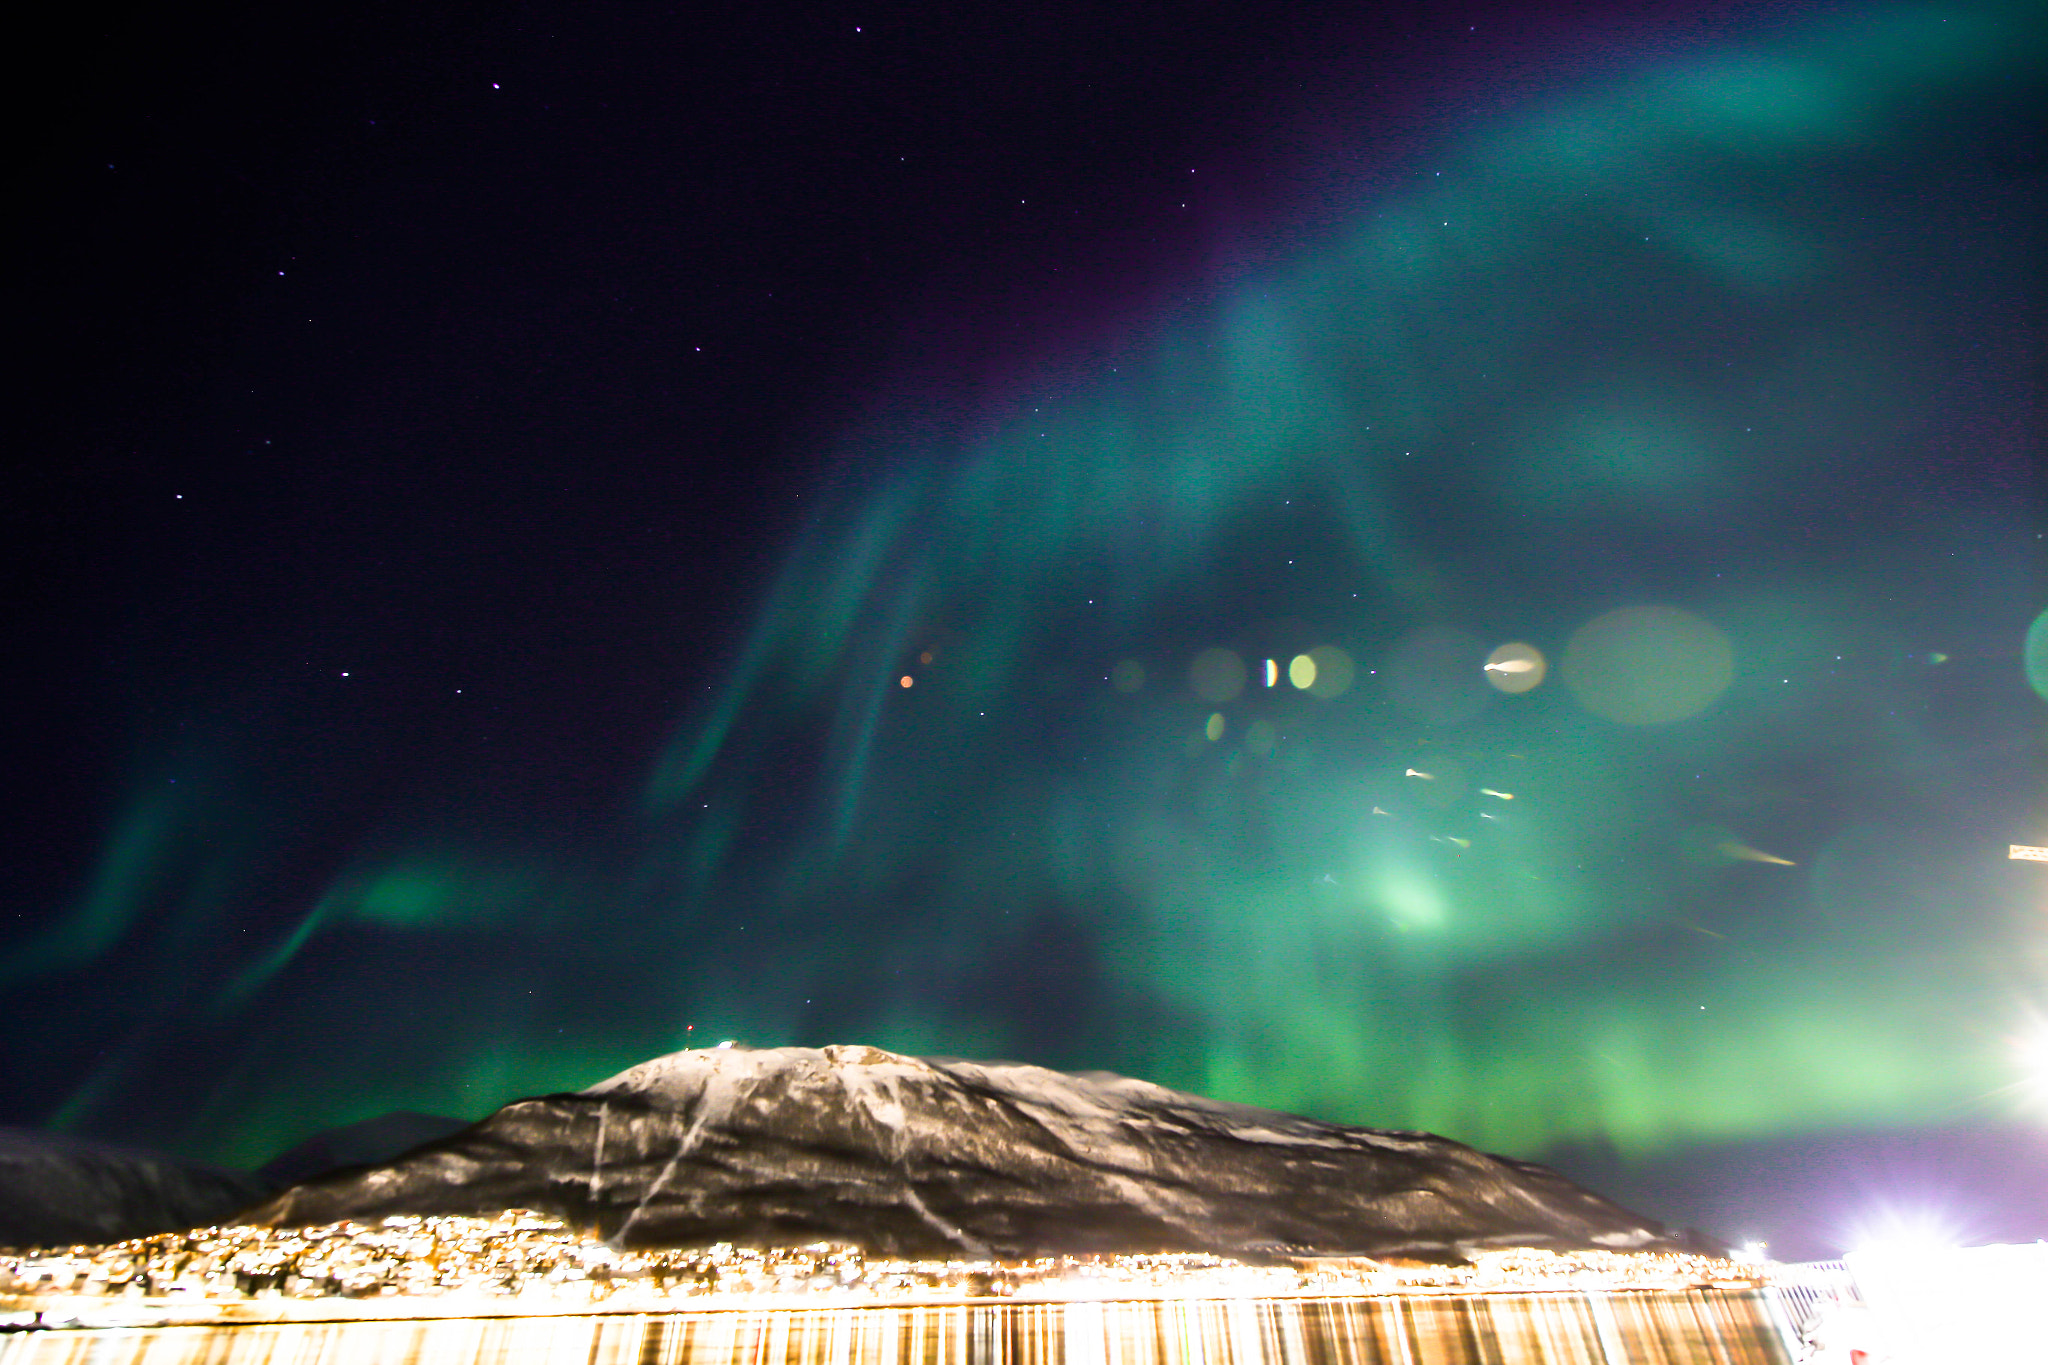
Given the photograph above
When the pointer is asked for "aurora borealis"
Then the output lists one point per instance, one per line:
(495, 691)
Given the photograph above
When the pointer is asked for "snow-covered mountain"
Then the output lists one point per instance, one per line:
(934, 1156)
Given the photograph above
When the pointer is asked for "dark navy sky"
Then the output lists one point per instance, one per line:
(488, 472)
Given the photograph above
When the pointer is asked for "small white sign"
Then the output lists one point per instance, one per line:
(2028, 852)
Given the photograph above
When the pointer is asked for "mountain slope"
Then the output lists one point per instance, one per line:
(58, 1191)
(365, 1142)
(933, 1156)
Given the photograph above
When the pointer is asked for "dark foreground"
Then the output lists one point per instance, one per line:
(1717, 1326)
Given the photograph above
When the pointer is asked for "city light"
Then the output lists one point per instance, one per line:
(527, 1263)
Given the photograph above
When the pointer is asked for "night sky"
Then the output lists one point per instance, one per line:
(545, 534)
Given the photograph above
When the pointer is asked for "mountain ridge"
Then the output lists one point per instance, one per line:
(59, 1190)
(942, 1156)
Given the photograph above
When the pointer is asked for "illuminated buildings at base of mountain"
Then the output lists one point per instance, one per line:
(523, 1264)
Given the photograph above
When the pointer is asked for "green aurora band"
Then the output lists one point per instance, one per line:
(1605, 358)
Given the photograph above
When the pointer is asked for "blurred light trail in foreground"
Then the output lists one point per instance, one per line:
(1726, 1327)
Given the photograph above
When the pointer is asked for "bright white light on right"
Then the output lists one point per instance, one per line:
(1906, 1233)
(1970, 1304)
(2030, 1052)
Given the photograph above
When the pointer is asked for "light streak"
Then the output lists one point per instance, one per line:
(1744, 853)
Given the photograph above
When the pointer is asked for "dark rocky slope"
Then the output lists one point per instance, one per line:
(909, 1156)
(61, 1191)
(365, 1142)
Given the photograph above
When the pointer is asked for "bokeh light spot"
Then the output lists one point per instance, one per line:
(1128, 676)
(1301, 671)
(2036, 656)
(1214, 729)
(1331, 672)
(1272, 672)
(1516, 667)
(1647, 665)
(1217, 675)
(904, 680)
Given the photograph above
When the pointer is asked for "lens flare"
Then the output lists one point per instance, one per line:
(1515, 667)
(1647, 665)
(1217, 675)
(1729, 848)
(1330, 672)
(2030, 1056)
(2036, 660)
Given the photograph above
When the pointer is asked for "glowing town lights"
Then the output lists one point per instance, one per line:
(1417, 772)
(1515, 667)
(523, 1264)
(1488, 791)
(2027, 853)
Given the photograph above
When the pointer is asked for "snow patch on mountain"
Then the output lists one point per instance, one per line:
(940, 1156)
